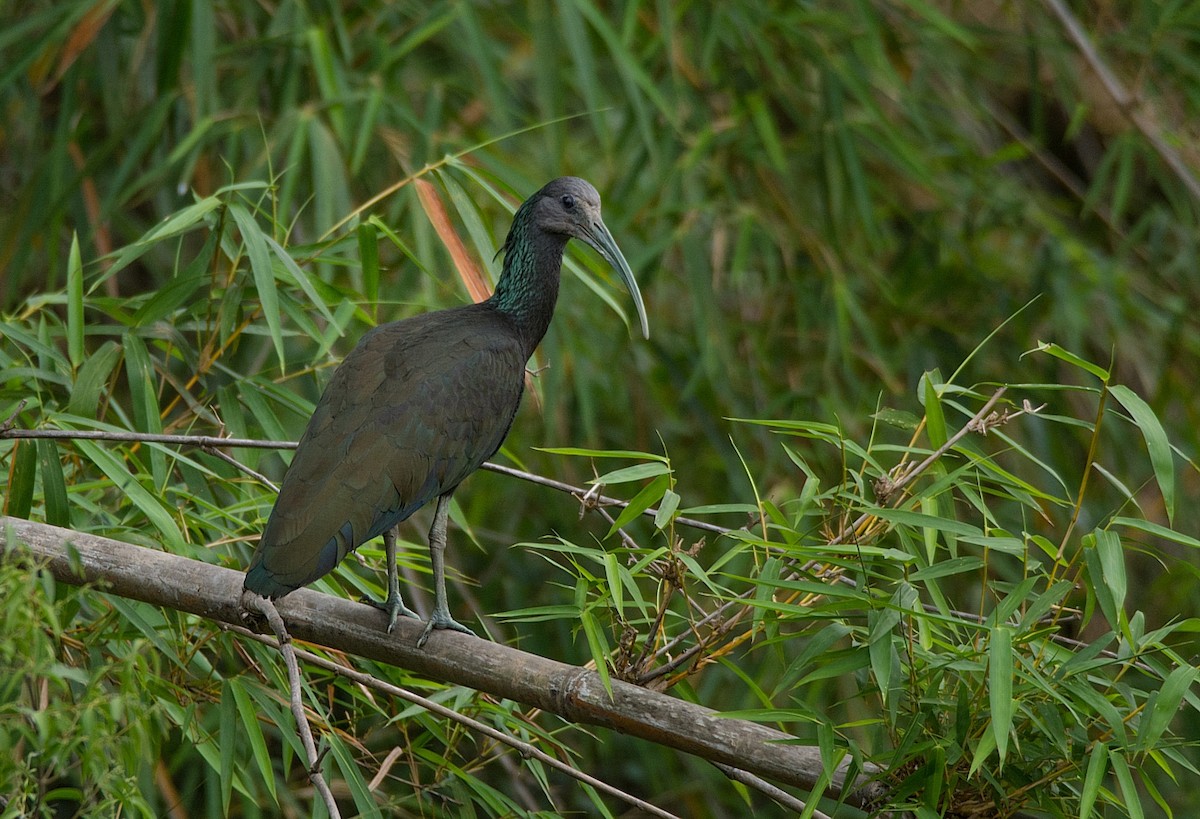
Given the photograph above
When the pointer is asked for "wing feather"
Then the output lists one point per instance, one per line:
(416, 407)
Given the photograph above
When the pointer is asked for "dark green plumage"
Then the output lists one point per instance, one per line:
(419, 405)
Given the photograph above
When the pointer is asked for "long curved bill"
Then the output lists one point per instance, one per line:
(600, 239)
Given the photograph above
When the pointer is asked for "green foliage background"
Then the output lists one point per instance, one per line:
(830, 207)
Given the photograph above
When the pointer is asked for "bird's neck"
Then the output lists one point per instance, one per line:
(528, 287)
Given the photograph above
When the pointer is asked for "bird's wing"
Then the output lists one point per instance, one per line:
(413, 410)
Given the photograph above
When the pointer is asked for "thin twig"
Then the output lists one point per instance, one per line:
(261, 604)
(229, 459)
(524, 748)
(778, 794)
(210, 442)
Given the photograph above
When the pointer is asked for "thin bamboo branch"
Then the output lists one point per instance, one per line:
(283, 641)
(213, 442)
(781, 796)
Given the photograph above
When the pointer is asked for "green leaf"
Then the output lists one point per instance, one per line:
(922, 521)
(368, 257)
(1156, 443)
(666, 510)
(1176, 685)
(650, 494)
(1000, 687)
(935, 419)
(637, 472)
(351, 770)
(54, 487)
(898, 419)
(75, 303)
(1070, 358)
(142, 381)
(1093, 780)
(983, 751)
(302, 280)
(144, 500)
(227, 743)
(1112, 565)
(92, 379)
(603, 453)
(181, 222)
(721, 508)
(616, 590)
(1158, 530)
(19, 500)
(177, 291)
(264, 274)
(1129, 792)
(140, 615)
(1102, 591)
(942, 568)
(598, 646)
(880, 623)
(258, 744)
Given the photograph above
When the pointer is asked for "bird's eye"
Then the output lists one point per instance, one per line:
(568, 201)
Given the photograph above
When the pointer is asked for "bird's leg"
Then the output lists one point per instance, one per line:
(437, 548)
(394, 605)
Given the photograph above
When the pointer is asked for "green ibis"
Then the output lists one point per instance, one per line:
(419, 405)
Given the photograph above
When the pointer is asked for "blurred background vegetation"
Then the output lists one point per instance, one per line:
(822, 202)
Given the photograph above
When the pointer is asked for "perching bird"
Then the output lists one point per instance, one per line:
(419, 405)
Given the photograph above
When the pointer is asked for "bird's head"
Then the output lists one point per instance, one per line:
(570, 206)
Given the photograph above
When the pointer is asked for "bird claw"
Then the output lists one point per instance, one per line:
(442, 621)
(392, 607)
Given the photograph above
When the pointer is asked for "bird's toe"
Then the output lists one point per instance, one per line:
(393, 607)
(442, 622)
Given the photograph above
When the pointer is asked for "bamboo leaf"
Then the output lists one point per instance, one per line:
(1093, 780)
(1070, 358)
(1156, 443)
(54, 487)
(1112, 565)
(637, 472)
(75, 304)
(1157, 530)
(263, 273)
(603, 453)
(1174, 688)
(253, 731)
(227, 743)
(92, 379)
(148, 503)
(650, 494)
(368, 257)
(597, 645)
(301, 278)
(935, 419)
(142, 381)
(666, 509)
(1000, 687)
(616, 589)
(1130, 797)
(19, 499)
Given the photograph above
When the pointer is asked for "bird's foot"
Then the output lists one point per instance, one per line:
(442, 620)
(393, 607)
